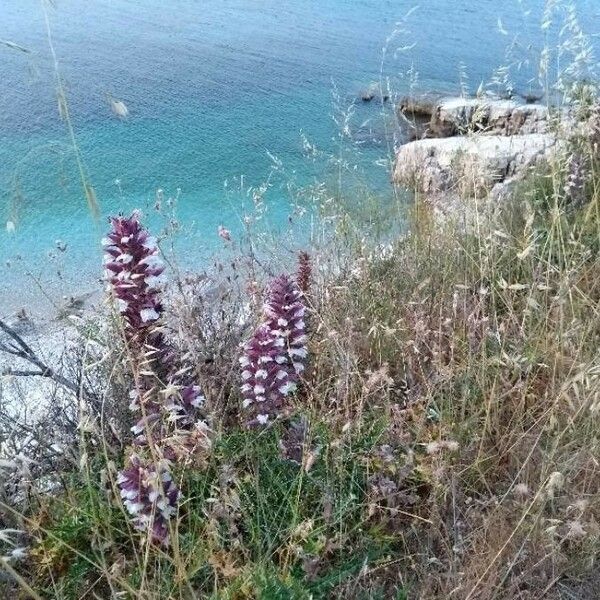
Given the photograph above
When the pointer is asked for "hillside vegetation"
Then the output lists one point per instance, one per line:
(441, 443)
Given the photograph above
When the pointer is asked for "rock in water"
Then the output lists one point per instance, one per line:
(532, 97)
(367, 96)
(119, 108)
(374, 92)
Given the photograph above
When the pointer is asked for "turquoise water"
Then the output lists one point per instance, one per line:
(212, 87)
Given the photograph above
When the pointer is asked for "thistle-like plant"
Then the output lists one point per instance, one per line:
(169, 427)
(135, 275)
(303, 275)
(150, 496)
(266, 377)
(575, 180)
(275, 356)
(284, 315)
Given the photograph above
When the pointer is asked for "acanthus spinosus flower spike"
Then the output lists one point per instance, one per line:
(575, 180)
(304, 272)
(169, 426)
(275, 356)
(284, 315)
(266, 379)
(134, 272)
(150, 496)
(135, 275)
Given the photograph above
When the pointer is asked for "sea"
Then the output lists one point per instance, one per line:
(226, 113)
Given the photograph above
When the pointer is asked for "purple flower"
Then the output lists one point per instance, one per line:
(304, 272)
(266, 377)
(150, 497)
(275, 356)
(169, 427)
(134, 273)
(284, 315)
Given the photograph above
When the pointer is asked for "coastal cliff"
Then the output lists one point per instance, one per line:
(477, 146)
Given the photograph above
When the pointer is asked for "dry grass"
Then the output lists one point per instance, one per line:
(444, 445)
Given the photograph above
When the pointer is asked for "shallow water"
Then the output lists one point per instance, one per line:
(213, 89)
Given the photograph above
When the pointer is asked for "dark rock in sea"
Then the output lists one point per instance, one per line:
(373, 92)
(367, 96)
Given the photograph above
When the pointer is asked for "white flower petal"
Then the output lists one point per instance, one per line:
(149, 314)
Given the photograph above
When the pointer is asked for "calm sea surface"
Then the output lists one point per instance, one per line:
(215, 89)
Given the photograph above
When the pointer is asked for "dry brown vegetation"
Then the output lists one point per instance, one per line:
(444, 443)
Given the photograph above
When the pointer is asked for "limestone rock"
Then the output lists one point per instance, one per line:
(421, 105)
(469, 164)
(456, 116)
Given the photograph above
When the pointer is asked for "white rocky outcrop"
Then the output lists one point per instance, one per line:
(450, 116)
(469, 164)
(456, 116)
(475, 146)
(422, 105)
